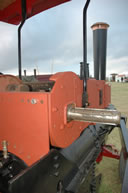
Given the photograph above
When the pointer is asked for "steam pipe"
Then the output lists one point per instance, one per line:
(85, 36)
(24, 16)
(104, 116)
(19, 49)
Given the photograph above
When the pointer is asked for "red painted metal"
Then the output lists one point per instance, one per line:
(12, 13)
(94, 87)
(24, 124)
(67, 90)
(108, 151)
(32, 121)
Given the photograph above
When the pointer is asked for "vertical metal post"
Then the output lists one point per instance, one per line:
(84, 64)
(24, 16)
(85, 37)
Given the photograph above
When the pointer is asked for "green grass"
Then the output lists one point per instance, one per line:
(120, 97)
(109, 167)
(105, 188)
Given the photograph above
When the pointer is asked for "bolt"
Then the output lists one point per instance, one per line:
(10, 167)
(10, 176)
(1, 164)
(56, 174)
(33, 101)
(56, 157)
(69, 125)
(87, 104)
(54, 109)
(56, 166)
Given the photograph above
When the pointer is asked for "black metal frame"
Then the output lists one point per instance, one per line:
(68, 170)
(24, 17)
(124, 140)
(9, 167)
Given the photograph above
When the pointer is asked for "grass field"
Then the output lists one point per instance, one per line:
(109, 167)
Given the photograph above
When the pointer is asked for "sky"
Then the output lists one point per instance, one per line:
(52, 40)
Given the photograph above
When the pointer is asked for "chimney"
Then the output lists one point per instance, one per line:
(99, 49)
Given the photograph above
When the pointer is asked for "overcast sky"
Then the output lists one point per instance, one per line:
(52, 40)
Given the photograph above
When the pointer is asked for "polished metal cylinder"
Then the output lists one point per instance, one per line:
(103, 116)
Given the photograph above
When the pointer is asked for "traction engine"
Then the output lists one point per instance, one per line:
(52, 132)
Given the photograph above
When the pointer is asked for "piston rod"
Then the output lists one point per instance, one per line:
(103, 116)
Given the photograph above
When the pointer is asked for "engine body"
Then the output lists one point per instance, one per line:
(32, 121)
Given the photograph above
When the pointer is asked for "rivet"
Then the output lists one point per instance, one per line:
(41, 101)
(54, 126)
(22, 100)
(61, 86)
(62, 127)
(56, 166)
(54, 109)
(69, 124)
(28, 156)
(56, 174)
(10, 167)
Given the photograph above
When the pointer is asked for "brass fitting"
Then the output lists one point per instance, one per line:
(5, 149)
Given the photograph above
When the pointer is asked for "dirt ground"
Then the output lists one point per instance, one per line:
(109, 167)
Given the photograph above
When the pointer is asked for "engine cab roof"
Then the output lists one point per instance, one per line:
(11, 10)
